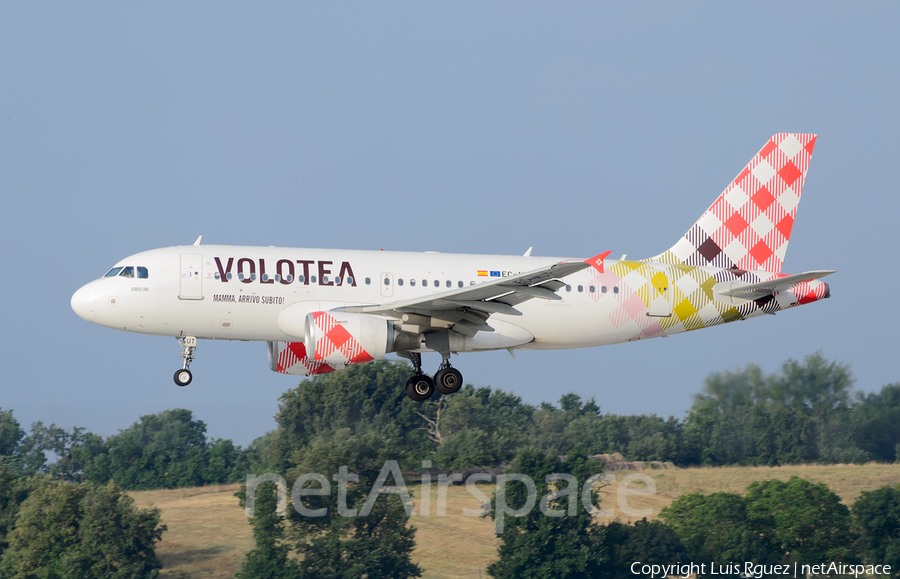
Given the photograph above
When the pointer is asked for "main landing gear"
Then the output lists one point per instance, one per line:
(188, 344)
(421, 387)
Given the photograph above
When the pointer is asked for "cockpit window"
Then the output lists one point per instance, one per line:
(113, 272)
(142, 272)
(127, 272)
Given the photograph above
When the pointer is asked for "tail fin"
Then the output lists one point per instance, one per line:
(749, 225)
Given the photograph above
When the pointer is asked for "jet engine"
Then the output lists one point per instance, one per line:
(331, 340)
(342, 338)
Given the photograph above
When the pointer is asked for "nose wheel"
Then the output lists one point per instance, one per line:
(188, 345)
(183, 377)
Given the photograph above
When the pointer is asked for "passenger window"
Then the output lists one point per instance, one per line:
(289, 278)
(424, 283)
(387, 281)
(471, 283)
(216, 275)
(568, 288)
(368, 280)
(278, 277)
(449, 284)
(616, 289)
(127, 272)
(325, 279)
(412, 282)
(113, 272)
(603, 289)
(349, 280)
(593, 289)
(228, 275)
(252, 277)
(142, 272)
(265, 277)
(400, 281)
(580, 288)
(312, 279)
(337, 280)
(437, 283)
(301, 279)
(460, 284)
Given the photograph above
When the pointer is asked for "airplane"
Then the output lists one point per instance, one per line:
(319, 310)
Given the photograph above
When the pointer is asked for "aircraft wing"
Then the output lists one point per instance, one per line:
(468, 308)
(754, 291)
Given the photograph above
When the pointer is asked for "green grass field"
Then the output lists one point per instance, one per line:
(209, 533)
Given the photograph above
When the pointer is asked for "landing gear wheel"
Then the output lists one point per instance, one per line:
(183, 377)
(448, 380)
(188, 345)
(420, 387)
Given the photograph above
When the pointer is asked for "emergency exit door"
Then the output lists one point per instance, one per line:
(660, 301)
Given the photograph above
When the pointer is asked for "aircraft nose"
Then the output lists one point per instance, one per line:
(83, 303)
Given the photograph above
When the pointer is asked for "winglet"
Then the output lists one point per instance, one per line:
(597, 260)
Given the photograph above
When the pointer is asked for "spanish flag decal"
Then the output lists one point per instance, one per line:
(482, 272)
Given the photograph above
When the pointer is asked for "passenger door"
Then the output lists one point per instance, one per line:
(191, 287)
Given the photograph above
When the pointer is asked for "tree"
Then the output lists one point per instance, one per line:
(481, 427)
(809, 522)
(13, 492)
(20, 454)
(345, 545)
(715, 528)
(876, 515)
(269, 559)
(84, 531)
(815, 383)
(876, 423)
(166, 450)
(362, 398)
(536, 545)
(650, 542)
(75, 451)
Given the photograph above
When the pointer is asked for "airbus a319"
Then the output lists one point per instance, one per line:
(319, 310)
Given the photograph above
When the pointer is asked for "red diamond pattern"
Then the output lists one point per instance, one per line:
(789, 173)
(737, 224)
(761, 252)
(785, 225)
(763, 199)
(337, 342)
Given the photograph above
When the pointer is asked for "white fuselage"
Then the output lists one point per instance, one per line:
(248, 308)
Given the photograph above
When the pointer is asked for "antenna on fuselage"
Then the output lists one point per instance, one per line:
(198, 240)
(528, 253)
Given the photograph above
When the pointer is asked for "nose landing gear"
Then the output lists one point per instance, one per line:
(188, 345)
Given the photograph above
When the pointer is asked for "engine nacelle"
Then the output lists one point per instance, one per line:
(339, 338)
(290, 358)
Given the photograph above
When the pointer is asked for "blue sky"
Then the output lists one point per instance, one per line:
(456, 127)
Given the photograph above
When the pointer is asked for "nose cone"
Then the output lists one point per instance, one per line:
(83, 302)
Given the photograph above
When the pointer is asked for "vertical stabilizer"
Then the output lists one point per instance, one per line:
(749, 225)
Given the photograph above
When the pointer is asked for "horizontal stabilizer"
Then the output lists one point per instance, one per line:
(754, 291)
